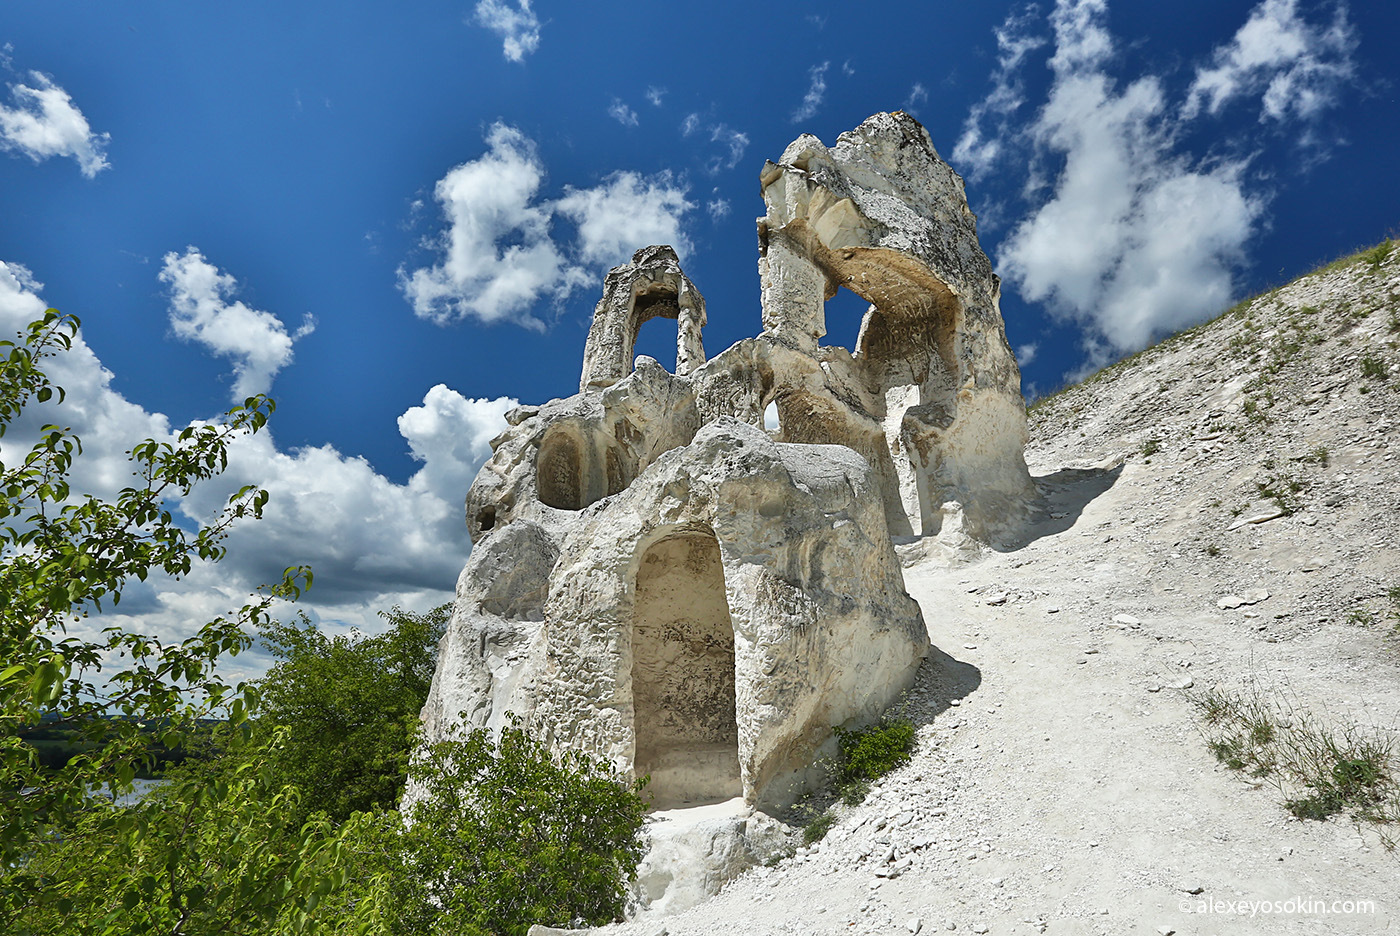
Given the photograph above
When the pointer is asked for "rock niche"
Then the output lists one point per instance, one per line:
(665, 578)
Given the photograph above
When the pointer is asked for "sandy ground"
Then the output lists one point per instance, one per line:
(1061, 782)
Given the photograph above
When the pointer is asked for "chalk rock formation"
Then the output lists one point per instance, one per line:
(659, 579)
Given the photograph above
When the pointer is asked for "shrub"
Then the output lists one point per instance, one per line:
(349, 706)
(869, 753)
(816, 830)
(1373, 367)
(501, 836)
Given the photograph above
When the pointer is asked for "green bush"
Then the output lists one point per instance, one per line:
(869, 753)
(503, 836)
(348, 707)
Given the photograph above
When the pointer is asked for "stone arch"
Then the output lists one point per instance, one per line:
(651, 286)
(683, 685)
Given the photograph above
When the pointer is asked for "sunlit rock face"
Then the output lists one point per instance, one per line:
(660, 579)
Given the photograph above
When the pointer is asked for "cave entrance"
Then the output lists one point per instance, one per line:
(687, 736)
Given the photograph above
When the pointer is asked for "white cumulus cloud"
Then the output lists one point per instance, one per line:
(1135, 240)
(1121, 227)
(201, 311)
(372, 542)
(45, 122)
(499, 256)
(516, 24)
(1297, 67)
(816, 93)
(625, 213)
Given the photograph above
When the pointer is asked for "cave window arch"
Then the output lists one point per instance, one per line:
(559, 475)
(683, 682)
(844, 312)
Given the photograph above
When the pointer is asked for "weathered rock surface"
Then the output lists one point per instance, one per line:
(660, 580)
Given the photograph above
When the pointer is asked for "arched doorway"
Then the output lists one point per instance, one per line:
(687, 737)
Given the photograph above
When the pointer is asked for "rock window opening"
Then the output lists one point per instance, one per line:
(652, 338)
(687, 735)
(844, 313)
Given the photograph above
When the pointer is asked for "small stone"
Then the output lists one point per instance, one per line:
(1165, 930)
(969, 646)
(1192, 887)
(1229, 602)
(1272, 513)
(1184, 682)
(998, 599)
(914, 925)
(1255, 595)
(1154, 688)
(1053, 609)
(1127, 620)
(982, 928)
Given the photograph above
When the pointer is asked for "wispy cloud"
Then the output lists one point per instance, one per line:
(516, 24)
(202, 310)
(656, 95)
(499, 259)
(622, 113)
(917, 95)
(718, 208)
(45, 122)
(734, 143)
(988, 123)
(816, 93)
(690, 124)
(1297, 68)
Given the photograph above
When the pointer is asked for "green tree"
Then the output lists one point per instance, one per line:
(500, 836)
(349, 707)
(63, 555)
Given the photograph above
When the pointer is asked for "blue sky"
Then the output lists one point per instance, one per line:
(396, 219)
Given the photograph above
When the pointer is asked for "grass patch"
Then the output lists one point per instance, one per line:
(1373, 367)
(1318, 454)
(1151, 447)
(1283, 491)
(1378, 254)
(1321, 769)
(867, 754)
(816, 830)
